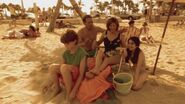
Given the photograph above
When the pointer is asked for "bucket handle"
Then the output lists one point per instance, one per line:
(121, 60)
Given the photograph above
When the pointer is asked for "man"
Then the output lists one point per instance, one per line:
(88, 35)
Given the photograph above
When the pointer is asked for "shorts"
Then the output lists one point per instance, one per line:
(75, 74)
(91, 53)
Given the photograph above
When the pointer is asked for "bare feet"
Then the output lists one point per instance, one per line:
(91, 74)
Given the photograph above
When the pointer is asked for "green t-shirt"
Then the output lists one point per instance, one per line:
(74, 59)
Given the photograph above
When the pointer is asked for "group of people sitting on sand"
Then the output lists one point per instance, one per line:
(31, 32)
(78, 77)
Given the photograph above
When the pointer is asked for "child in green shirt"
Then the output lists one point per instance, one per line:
(72, 68)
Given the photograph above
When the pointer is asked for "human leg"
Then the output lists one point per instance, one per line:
(52, 78)
(99, 59)
(67, 78)
(107, 61)
(140, 82)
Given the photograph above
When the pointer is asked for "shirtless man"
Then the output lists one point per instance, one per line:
(88, 35)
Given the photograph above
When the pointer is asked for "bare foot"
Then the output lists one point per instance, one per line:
(91, 74)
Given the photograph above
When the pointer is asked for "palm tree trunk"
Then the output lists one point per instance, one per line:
(113, 8)
(22, 4)
(54, 17)
(36, 15)
(150, 12)
(76, 7)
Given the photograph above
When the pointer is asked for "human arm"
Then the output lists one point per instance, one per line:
(81, 41)
(122, 29)
(80, 78)
(138, 67)
(123, 40)
(100, 40)
(102, 31)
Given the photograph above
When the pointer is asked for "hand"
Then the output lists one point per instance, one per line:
(72, 95)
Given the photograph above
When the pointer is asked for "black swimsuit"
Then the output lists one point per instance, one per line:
(110, 46)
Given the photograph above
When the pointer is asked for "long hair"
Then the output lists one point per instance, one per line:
(134, 57)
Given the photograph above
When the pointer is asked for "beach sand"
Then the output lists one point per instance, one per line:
(24, 64)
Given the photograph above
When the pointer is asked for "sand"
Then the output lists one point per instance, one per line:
(24, 64)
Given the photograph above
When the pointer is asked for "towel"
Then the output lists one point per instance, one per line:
(91, 89)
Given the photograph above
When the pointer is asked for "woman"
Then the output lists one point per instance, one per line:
(135, 56)
(112, 41)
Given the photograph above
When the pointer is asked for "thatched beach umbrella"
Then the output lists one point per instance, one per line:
(160, 46)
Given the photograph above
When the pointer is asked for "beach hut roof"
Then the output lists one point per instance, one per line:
(177, 1)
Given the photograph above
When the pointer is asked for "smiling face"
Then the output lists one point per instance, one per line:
(113, 27)
(112, 24)
(131, 45)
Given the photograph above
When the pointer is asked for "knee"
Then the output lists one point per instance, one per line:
(64, 69)
(100, 53)
(136, 88)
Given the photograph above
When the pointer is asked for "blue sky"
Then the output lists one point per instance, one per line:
(50, 3)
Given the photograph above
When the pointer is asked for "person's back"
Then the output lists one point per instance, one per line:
(144, 31)
(131, 31)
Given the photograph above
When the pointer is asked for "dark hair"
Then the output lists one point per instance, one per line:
(37, 29)
(69, 36)
(133, 58)
(131, 22)
(112, 20)
(32, 28)
(145, 24)
(85, 17)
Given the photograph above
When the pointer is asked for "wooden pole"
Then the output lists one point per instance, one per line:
(160, 46)
(36, 15)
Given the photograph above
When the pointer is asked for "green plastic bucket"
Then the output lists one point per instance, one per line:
(123, 82)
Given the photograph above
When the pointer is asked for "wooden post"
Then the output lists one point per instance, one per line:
(36, 15)
(158, 53)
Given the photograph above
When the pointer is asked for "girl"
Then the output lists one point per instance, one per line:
(135, 56)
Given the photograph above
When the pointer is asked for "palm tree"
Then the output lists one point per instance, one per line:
(55, 15)
(76, 7)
